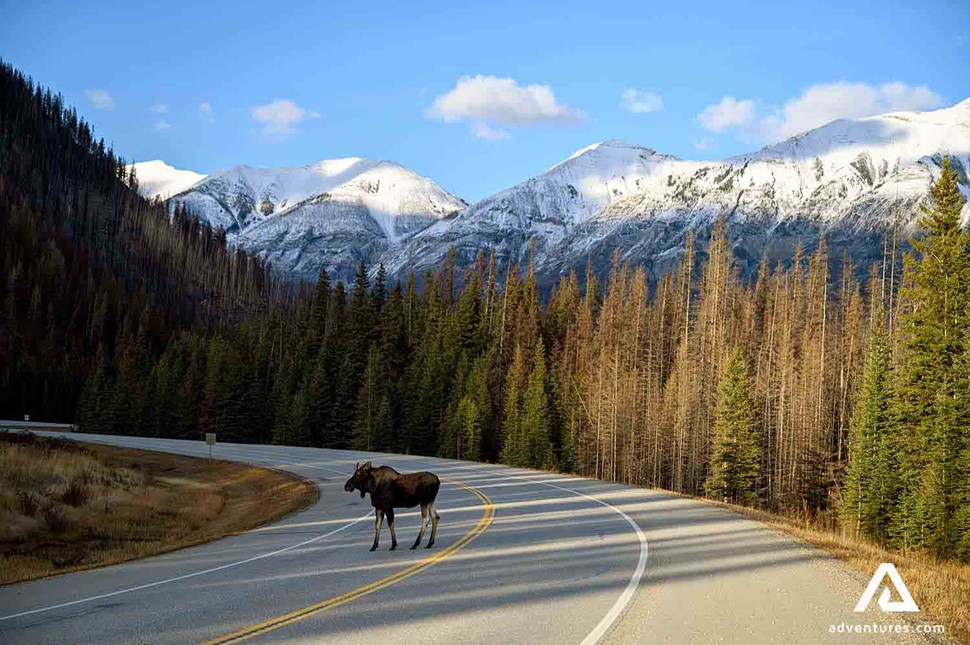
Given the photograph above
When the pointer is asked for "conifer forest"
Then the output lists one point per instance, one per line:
(817, 387)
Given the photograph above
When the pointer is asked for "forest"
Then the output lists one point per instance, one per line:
(804, 390)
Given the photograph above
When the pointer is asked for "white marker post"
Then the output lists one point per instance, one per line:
(210, 440)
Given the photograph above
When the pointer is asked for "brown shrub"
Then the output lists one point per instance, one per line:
(63, 508)
(75, 493)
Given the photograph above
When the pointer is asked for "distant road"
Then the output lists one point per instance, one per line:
(34, 426)
(521, 557)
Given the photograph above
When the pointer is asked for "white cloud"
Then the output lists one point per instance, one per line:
(101, 99)
(160, 108)
(826, 102)
(816, 106)
(484, 100)
(205, 110)
(488, 133)
(280, 118)
(162, 125)
(729, 113)
(640, 102)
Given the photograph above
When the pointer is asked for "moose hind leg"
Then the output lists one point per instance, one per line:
(434, 524)
(378, 520)
(425, 516)
(390, 523)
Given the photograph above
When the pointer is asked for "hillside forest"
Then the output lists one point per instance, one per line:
(804, 390)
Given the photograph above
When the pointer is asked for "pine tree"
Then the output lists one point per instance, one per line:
(535, 425)
(513, 448)
(736, 453)
(461, 430)
(469, 425)
(868, 487)
(932, 402)
(367, 413)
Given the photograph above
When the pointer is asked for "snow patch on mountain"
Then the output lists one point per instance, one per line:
(849, 179)
(333, 213)
(158, 179)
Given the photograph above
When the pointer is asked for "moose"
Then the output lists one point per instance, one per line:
(390, 489)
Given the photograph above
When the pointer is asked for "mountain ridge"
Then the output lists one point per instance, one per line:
(850, 179)
(329, 214)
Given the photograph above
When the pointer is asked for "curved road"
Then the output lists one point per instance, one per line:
(521, 556)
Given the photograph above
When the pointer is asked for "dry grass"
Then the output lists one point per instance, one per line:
(66, 506)
(940, 587)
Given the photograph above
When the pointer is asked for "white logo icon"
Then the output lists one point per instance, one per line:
(887, 569)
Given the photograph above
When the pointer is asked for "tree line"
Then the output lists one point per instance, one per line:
(803, 390)
(87, 265)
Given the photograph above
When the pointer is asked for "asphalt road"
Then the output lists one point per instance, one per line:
(520, 556)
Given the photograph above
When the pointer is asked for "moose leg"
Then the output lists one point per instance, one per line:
(390, 523)
(434, 524)
(424, 523)
(378, 520)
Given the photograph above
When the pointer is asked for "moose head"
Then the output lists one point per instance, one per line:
(360, 480)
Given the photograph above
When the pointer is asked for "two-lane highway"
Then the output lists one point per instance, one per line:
(520, 556)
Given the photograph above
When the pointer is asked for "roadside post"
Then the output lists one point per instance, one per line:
(210, 440)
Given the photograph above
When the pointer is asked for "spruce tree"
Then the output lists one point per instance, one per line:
(367, 413)
(736, 453)
(513, 449)
(868, 487)
(535, 428)
(932, 406)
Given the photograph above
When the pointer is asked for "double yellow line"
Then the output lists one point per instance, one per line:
(324, 605)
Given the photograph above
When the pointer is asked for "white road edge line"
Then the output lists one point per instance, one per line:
(238, 451)
(189, 575)
(591, 639)
(631, 587)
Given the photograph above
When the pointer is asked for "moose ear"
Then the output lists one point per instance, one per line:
(366, 466)
(357, 467)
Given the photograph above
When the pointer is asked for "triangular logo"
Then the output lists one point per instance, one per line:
(887, 569)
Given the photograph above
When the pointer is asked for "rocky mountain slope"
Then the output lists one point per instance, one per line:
(850, 180)
(330, 214)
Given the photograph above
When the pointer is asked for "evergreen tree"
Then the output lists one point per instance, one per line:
(535, 428)
(367, 414)
(512, 441)
(868, 487)
(320, 305)
(461, 431)
(932, 402)
(735, 453)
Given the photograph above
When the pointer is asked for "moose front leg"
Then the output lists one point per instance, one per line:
(390, 523)
(378, 520)
(389, 512)
(424, 522)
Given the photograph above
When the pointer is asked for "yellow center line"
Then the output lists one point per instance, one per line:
(312, 610)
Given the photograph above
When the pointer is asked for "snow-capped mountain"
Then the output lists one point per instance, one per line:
(158, 179)
(849, 180)
(329, 214)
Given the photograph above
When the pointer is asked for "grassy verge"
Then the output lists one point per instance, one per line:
(66, 506)
(940, 587)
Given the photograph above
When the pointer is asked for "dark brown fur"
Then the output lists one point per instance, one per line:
(390, 489)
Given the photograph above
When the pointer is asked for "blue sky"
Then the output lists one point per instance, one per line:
(479, 97)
